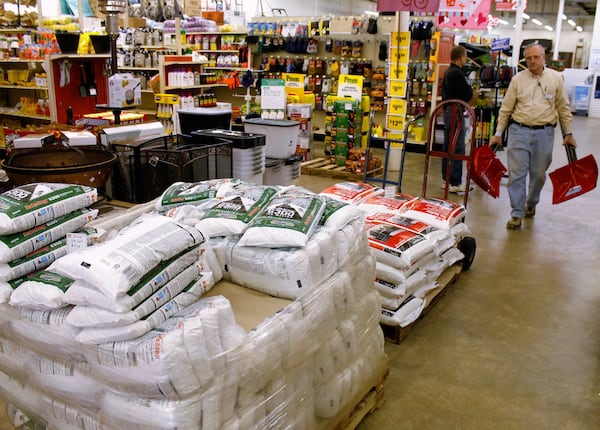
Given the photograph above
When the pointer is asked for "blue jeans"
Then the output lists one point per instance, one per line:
(450, 125)
(529, 152)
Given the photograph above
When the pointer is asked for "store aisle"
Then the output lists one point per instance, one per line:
(515, 344)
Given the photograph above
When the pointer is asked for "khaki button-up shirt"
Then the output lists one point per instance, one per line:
(536, 100)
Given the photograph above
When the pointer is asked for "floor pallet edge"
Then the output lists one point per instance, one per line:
(323, 167)
(366, 405)
(447, 279)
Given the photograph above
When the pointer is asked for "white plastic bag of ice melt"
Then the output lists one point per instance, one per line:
(43, 290)
(161, 368)
(351, 192)
(7, 288)
(395, 245)
(68, 415)
(285, 272)
(26, 206)
(43, 257)
(382, 203)
(338, 214)
(93, 316)
(115, 266)
(122, 411)
(83, 294)
(407, 313)
(138, 328)
(68, 380)
(46, 332)
(186, 214)
(18, 245)
(202, 195)
(288, 220)
(440, 213)
(235, 210)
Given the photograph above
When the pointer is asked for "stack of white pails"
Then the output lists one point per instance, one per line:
(248, 157)
(282, 166)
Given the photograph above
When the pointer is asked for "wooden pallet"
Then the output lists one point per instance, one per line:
(367, 404)
(323, 167)
(446, 280)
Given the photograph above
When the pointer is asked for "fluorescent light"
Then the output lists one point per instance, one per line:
(564, 17)
(579, 28)
(502, 21)
(371, 13)
(571, 22)
(548, 27)
(536, 21)
(525, 16)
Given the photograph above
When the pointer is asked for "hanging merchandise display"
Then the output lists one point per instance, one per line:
(472, 15)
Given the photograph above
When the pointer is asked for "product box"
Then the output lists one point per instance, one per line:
(124, 90)
(125, 134)
(218, 17)
(79, 138)
(34, 140)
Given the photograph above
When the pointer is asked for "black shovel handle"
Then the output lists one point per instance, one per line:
(571, 153)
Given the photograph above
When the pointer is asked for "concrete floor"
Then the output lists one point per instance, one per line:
(515, 343)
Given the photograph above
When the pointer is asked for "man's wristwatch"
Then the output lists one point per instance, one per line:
(567, 134)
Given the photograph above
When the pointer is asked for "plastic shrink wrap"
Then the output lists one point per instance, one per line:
(236, 358)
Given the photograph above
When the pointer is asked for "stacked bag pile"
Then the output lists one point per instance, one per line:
(137, 336)
(35, 220)
(414, 239)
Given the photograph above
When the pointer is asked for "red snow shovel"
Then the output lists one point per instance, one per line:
(576, 178)
(487, 170)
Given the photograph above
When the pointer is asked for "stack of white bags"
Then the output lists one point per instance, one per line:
(35, 220)
(130, 333)
(414, 239)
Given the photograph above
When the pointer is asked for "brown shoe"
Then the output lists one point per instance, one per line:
(514, 223)
(529, 212)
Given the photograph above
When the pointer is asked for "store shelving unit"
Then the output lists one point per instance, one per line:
(18, 84)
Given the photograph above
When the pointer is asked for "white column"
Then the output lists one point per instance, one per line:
(516, 42)
(558, 29)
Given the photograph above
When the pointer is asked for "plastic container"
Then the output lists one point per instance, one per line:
(201, 118)
(248, 157)
(67, 42)
(281, 135)
(100, 43)
(282, 171)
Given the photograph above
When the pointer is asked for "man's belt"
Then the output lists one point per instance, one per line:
(533, 127)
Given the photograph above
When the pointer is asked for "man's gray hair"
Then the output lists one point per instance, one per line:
(531, 45)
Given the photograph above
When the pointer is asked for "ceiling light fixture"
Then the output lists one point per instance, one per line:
(537, 21)
(572, 23)
(564, 17)
(548, 27)
(579, 28)
(525, 16)
(502, 21)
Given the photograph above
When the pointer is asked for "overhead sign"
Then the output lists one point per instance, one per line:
(501, 44)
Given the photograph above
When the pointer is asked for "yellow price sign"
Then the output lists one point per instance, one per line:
(400, 39)
(398, 138)
(395, 122)
(397, 88)
(396, 106)
(399, 56)
(399, 72)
